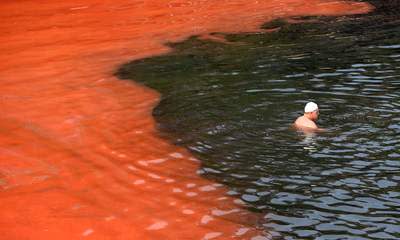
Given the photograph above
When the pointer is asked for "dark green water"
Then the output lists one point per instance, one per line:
(232, 106)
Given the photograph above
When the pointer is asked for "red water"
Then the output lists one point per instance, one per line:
(80, 155)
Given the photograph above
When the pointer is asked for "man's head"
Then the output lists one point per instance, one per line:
(311, 111)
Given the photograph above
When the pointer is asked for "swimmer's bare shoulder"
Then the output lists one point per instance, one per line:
(307, 129)
(303, 122)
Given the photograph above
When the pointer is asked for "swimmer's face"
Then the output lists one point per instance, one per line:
(315, 114)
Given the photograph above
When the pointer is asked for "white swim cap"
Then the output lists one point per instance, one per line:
(310, 107)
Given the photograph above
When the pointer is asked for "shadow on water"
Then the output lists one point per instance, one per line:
(231, 104)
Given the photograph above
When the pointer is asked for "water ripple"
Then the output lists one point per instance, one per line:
(235, 115)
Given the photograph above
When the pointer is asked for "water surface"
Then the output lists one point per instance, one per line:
(80, 157)
(231, 103)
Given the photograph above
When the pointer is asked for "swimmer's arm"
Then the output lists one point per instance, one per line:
(322, 130)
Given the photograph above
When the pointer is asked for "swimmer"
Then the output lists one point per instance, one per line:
(307, 121)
